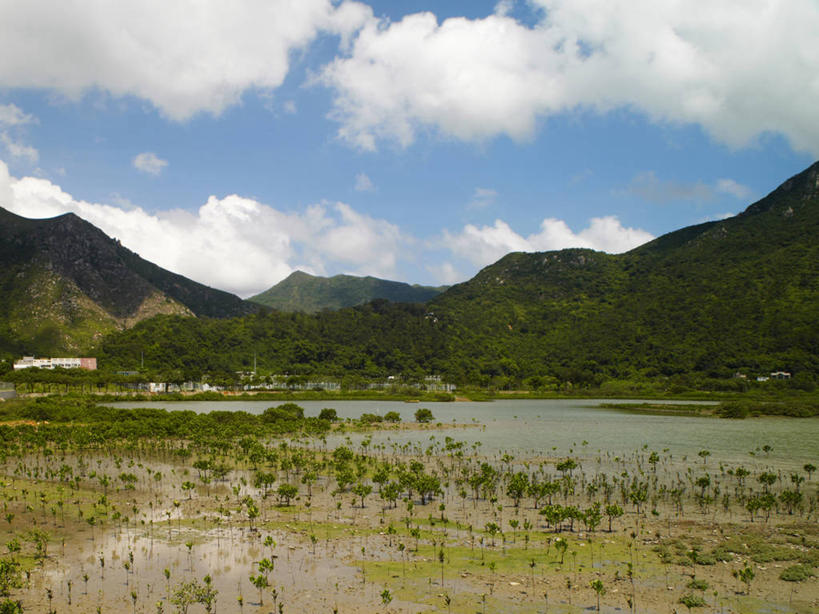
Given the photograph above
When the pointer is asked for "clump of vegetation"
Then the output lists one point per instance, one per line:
(424, 415)
(691, 601)
(698, 584)
(328, 414)
(797, 573)
(745, 408)
(371, 418)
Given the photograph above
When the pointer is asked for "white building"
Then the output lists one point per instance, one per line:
(28, 362)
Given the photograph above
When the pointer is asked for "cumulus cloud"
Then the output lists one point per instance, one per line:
(12, 115)
(738, 69)
(184, 57)
(486, 244)
(149, 162)
(363, 183)
(234, 243)
(651, 188)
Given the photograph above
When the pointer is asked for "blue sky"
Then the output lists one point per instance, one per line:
(411, 140)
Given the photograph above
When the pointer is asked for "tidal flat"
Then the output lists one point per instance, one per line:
(583, 509)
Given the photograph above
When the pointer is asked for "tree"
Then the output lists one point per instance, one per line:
(561, 545)
(613, 511)
(424, 415)
(362, 490)
(9, 576)
(517, 487)
(592, 517)
(287, 492)
(598, 587)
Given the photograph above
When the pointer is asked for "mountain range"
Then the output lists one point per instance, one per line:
(735, 295)
(308, 293)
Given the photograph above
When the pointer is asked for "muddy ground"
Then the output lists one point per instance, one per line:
(116, 544)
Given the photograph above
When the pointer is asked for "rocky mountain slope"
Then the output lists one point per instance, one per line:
(65, 284)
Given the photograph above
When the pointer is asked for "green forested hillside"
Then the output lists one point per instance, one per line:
(309, 294)
(741, 294)
(376, 339)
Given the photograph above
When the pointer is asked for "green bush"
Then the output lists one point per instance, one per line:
(424, 415)
(796, 573)
(371, 418)
(286, 411)
(328, 414)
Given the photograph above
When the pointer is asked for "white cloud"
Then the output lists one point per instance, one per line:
(363, 183)
(12, 115)
(17, 149)
(234, 243)
(482, 198)
(149, 162)
(184, 57)
(651, 188)
(445, 273)
(731, 187)
(486, 244)
(738, 69)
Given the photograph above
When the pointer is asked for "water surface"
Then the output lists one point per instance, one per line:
(557, 427)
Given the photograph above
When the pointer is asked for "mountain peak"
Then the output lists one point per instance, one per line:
(65, 280)
(797, 191)
(301, 291)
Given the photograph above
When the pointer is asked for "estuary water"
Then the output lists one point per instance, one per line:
(560, 427)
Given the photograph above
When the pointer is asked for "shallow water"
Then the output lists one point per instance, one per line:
(558, 427)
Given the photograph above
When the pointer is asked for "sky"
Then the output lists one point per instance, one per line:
(237, 142)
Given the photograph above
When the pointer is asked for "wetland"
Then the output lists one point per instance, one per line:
(511, 506)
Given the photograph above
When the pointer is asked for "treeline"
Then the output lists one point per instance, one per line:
(745, 409)
(82, 419)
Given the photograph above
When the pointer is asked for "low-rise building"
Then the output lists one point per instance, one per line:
(27, 362)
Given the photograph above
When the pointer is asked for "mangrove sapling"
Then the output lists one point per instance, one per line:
(561, 545)
(746, 576)
(599, 589)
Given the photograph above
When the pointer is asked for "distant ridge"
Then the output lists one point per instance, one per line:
(309, 294)
(64, 284)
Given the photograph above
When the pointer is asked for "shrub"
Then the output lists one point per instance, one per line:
(328, 414)
(286, 411)
(796, 573)
(424, 415)
(392, 416)
(371, 418)
(692, 601)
